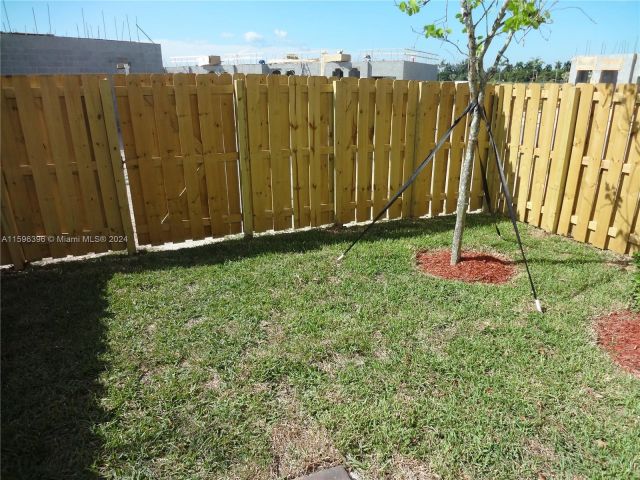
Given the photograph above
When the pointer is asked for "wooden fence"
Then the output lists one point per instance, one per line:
(572, 157)
(63, 188)
(179, 140)
(209, 156)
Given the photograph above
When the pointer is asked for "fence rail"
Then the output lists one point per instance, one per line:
(194, 156)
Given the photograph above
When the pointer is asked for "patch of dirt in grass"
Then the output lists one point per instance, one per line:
(405, 468)
(299, 444)
(543, 454)
(244, 471)
(437, 339)
(274, 329)
(474, 267)
(401, 467)
(538, 233)
(192, 322)
(214, 383)
(380, 351)
(619, 334)
(338, 361)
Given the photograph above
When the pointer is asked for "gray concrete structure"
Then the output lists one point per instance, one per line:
(605, 69)
(25, 54)
(395, 69)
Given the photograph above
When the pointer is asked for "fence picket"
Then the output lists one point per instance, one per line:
(10, 229)
(143, 138)
(98, 134)
(13, 149)
(301, 152)
(280, 173)
(527, 149)
(343, 169)
(117, 167)
(70, 202)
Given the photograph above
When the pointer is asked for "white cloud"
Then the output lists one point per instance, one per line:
(227, 35)
(280, 33)
(252, 37)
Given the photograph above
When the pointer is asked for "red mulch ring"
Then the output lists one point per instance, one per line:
(474, 267)
(619, 334)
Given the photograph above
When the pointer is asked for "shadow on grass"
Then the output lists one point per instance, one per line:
(53, 336)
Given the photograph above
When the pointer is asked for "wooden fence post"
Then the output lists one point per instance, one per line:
(243, 150)
(108, 101)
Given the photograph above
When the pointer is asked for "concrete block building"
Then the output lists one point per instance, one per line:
(605, 69)
(27, 54)
(398, 65)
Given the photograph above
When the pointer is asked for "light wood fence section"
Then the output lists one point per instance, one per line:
(384, 129)
(572, 158)
(179, 139)
(63, 190)
(208, 156)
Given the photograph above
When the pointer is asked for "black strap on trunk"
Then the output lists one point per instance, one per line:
(413, 176)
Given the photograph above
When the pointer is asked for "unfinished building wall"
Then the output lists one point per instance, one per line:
(25, 54)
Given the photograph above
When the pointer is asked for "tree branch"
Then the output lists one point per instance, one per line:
(494, 29)
(499, 55)
(455, 45)
(497, 23)
(485, 15)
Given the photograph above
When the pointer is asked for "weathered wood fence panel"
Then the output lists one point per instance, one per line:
(63, 188)
(208, 155)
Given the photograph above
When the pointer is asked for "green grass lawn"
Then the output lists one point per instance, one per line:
(264, 358)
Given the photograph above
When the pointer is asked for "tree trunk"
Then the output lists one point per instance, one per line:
(463, 189)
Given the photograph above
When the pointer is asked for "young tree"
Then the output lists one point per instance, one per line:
(498, 20)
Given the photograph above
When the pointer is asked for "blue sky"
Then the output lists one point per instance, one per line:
(202, 28)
